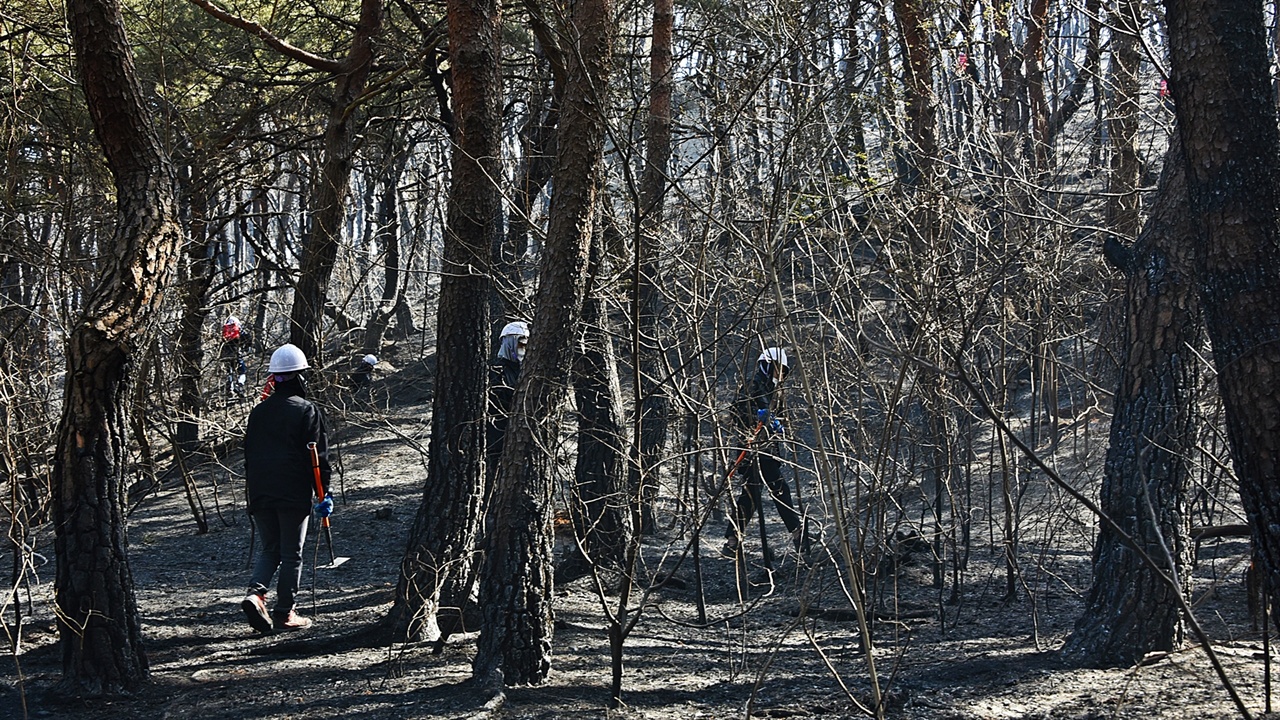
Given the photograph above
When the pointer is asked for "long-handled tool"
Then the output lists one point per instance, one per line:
(334, 561)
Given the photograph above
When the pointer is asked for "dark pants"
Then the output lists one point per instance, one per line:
(283, 533)
(752, 470)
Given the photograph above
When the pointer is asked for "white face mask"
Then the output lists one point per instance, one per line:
(520, 352)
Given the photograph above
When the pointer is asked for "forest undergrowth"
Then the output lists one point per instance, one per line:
(772, 644)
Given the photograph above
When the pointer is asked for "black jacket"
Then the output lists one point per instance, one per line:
(277, 463)
(503, 376)
(756, 395)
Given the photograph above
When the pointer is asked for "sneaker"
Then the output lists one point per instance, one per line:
(292, 621)
(255, 611)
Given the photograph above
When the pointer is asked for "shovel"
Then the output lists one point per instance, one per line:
(334, 561)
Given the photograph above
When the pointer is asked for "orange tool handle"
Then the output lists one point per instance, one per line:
(315, 469)
(734, 468)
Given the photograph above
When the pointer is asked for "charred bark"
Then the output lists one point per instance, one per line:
(1126, 60)
(652, 399)
(99, 631)
(1227, 120)
(437, 566)
(516, 581)
(1131, 609)
(601, 504)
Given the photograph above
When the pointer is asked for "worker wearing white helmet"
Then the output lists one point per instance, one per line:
(757, 413)
(363, 375)
(504, 373)
(279, 481)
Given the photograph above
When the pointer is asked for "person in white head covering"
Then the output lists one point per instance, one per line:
(504, 373)
(757, 412)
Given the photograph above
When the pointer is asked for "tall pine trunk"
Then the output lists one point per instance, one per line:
(516, 581)
(649, 389)
(99, 630)
(1132, 610)
(438, 562)
(1227, 121)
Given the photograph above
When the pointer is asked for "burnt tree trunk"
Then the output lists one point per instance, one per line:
(1132, 610)
(655, 406)
(438, 561)
(1227, 121)
(99, 631)
(922, 123)
(1037, 105)
(516, 581)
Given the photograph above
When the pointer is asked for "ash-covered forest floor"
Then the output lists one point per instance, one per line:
(789, 650)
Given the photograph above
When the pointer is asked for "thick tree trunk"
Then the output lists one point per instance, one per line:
(98, 625)
(328, 208)
(1227, 121)
(516, 582)
(1131, 610)
(438, 561)
(649, 389)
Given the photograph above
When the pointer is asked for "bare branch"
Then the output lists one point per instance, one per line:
(281, 46)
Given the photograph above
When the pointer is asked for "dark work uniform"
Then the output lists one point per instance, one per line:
(761, 463)
(503, 376)
(280, 481)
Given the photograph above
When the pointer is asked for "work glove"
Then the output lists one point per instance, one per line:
(324, 508)
(767, 419)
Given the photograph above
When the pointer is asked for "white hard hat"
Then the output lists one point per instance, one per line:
(233, 320)
(288, 358)
(370, 360)
(518, 327)
(775, 354)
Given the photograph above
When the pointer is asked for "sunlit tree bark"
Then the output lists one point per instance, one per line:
(1132, 610)
(98, 626)
(1227, 121)
(438, 562)
(516, 580)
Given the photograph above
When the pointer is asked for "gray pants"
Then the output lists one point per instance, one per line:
(283, 533)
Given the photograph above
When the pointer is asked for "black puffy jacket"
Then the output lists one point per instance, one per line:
(277, 464)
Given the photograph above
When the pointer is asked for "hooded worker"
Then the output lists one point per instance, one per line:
(279, 481)
(504, 373)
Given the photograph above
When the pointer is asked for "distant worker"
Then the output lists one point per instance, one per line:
(756, 412)
(363, 374)
(279, 481)
(504, 373)
(235, 339)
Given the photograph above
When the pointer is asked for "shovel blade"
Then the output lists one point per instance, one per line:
(336, 562)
